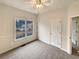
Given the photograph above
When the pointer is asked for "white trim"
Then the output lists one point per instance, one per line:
(74, 16)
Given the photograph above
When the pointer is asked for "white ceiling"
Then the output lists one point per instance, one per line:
(21, 4)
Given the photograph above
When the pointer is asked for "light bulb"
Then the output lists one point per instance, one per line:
(39, 5)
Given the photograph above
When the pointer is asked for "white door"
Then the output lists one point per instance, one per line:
(56, 33)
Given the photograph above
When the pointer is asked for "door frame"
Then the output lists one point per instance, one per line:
(69, 50)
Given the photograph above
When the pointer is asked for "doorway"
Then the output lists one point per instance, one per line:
(75, 35)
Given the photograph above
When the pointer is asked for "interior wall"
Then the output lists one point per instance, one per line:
(73, 11)
(7, 27)
(44, 26)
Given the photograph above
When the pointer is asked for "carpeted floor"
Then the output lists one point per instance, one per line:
(37, 50)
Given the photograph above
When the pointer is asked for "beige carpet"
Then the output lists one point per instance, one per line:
(37, 50)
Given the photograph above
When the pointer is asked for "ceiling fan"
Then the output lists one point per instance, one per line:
(39, 3)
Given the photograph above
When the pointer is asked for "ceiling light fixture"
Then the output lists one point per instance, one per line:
(41, 3)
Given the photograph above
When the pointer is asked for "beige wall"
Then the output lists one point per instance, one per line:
(44, 26)
(7, 27)
(73, 10)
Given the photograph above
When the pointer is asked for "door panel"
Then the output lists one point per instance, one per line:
(56, 33)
